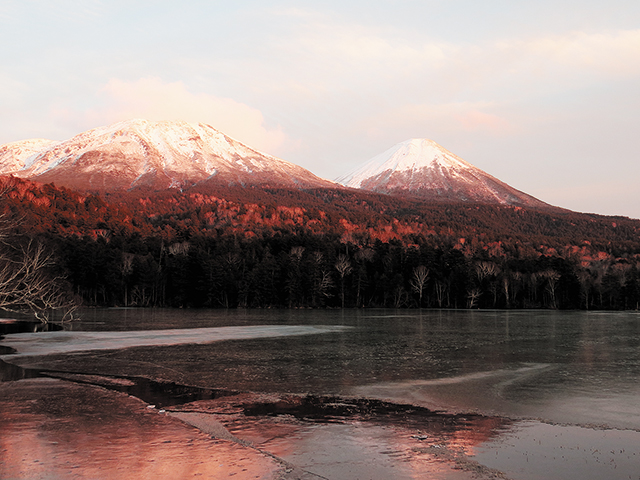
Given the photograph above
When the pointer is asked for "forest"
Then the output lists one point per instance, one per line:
(267, 248)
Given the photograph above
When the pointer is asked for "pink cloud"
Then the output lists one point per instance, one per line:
(474, 120)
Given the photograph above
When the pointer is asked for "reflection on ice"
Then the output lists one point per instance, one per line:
(341, 438)
(51, 429)
(485, 391)
(46, 343)
(500, 375)
(533, 450)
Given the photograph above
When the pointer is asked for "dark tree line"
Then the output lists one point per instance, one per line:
(317, 271)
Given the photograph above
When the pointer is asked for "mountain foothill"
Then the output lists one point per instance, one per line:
(174, 214)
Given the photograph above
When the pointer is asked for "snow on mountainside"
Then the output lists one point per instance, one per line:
(13, 156)
(137, 153)
(422, 168)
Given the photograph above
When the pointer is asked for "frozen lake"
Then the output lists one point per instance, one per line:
(573, 374)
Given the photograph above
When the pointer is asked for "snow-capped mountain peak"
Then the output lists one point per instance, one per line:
(422, 168)
(410, 155)
(164, 154)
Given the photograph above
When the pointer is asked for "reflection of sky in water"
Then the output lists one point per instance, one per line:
(71, 431)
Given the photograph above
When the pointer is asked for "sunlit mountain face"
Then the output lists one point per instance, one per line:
(15, 155)
(139, 153)
(424, 169)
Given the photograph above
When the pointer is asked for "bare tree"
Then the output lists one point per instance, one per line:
(419, 280)
(27, 284)
(322, 282)
(400, 296)
(586, 283)
(440, 288)
(126, 268)
(534, 280)
(472, 297)
(552, 277)
(343, 266)
(488, 271)
(181, 248)
(296, 253)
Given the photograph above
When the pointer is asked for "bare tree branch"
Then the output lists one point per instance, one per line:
(27, 284)
(419, 280)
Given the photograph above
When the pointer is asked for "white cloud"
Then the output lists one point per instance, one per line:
(450, 117)
(325, 53)
(611, 54)
(153, 99)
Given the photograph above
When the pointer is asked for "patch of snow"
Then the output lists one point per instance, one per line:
(16, 156)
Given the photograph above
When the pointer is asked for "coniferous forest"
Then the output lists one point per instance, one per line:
(263, 248)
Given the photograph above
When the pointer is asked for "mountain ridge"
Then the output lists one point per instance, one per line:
(137, 153)
(271, 247)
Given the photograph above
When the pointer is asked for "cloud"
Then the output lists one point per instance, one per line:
(325, 53)
(442, 119)
(472, 119)
(611, 54)
(153, 99)
(397, 83)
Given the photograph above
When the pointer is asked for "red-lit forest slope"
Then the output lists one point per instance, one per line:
(212, 245)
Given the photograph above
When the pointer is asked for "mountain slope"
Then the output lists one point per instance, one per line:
(424, 169)
(139, 153)
(14, 155)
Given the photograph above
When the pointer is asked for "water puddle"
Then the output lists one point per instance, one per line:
(8, 371)
(11, 325)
